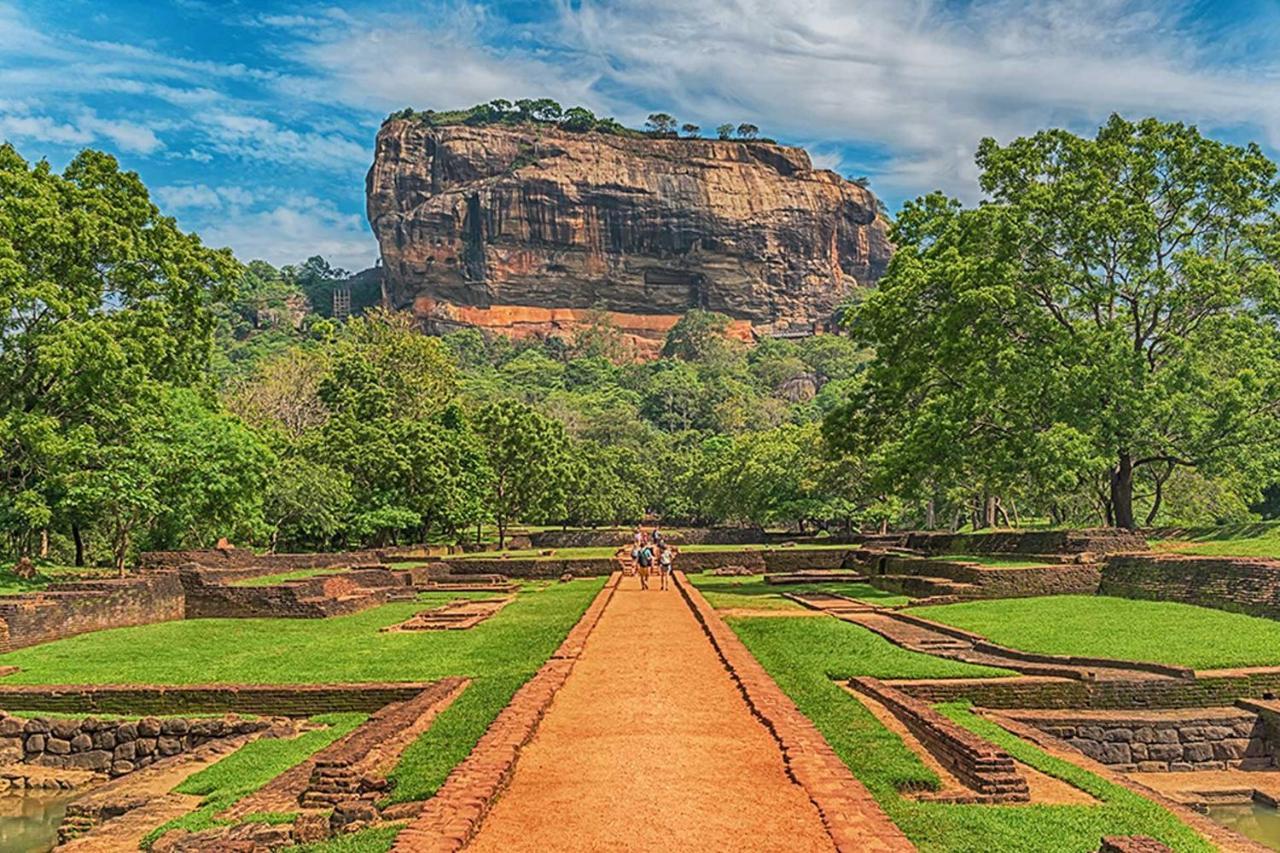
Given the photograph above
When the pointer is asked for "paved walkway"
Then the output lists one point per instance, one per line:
(650, 746)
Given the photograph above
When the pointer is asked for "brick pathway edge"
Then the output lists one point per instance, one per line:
(452, 817)
(850, 814)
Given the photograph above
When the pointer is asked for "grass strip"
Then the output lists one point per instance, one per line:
(805, 655)
(752, 592)
(249, 768)
(1101, 626)
(295, 574)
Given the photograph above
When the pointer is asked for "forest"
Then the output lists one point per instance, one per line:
(1095, 343)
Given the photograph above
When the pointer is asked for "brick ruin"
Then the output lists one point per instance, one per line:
(67, 609)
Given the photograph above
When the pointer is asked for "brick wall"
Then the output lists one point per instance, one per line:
(64, 610)
(979, 765)
(115, 747)
(1095, 541)
(1161, 741)
(1243, 585)
(527, 567)
(1205, 690)
(208, 597)
(284, 700)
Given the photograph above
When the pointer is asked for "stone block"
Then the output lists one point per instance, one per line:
(1115, 753)
(36, 725)
(1153, 766)
(148, 727)
(1090, 732)
(35, 743)
(1138, 751)
(1091, 748)
(98, 760)
(1167, 736)
(10, 726)
(310, 827)
(166, 745)
(1164, 752)
(104, 739)
(126, 731)
(1197, 752)
(64, 729)
(175, 726)
(145, 745)
(1180, 767)
(1145, 734)
(119, 768)
(81, 742)
(57, 746)
(126, 751)
(1217, 732)
(1191, 734)
(1118, 735)
(1230, 750)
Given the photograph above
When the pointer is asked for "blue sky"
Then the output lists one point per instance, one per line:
(253, 123)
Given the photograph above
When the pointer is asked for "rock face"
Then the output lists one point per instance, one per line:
(527, 229)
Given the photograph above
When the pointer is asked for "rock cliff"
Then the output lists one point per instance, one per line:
(527, 229)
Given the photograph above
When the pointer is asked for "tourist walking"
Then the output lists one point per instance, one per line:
(666, 564)
(644, 563)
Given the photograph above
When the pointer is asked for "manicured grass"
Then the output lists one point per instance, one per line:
(803, 655)
(281, 577)
(752, 592)
(248, 769)
(1236, 540)
(292, 651)
(1099, 626)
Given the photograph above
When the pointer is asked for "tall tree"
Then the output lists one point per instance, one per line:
(1112, 306)
(526, 454)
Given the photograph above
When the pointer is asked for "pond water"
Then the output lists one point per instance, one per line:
(29, 820)
(1254, 820)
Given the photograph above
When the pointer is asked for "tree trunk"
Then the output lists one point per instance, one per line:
(1122, 492)
(930, 515)
(122, 547)
(989, 507)
(884, 526)
(1158, 497)
(1000, 511)
(75, 537)
(502, 533)
(44, 542)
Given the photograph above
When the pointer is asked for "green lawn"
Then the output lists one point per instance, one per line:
(803, 656)
(1261, 539)
(296, 574)
(752, 592)
(1099, 626)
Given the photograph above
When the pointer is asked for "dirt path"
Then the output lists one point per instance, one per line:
(650, 746)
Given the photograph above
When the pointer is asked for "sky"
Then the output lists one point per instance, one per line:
(253, 122)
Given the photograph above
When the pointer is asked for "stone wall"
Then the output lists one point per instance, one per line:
(114, 747)
(1207, 689)
(528, 567)
(1240, 584)
(208, 597)
(284, 700)
(1096, 541)
(992, 582)
(1161, 741)
(616, 537)
(67, 609)
(979, 765)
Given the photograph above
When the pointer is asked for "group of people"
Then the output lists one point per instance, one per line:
(651, 552)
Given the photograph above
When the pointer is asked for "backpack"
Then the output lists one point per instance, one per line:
(646, 557)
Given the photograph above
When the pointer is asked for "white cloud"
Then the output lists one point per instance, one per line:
(291, 231)
(196, 196)
(253, 138)
(18, 122)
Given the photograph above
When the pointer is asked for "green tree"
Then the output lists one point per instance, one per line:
(527, 457)
(698, 336)
(747, 131)
(1111, 307)
(306, 502)
(724, 131)
(690, 130)
(101, 295)
(661, 124)
(578, 119)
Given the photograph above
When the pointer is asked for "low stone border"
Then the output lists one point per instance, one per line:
(979, 765)
(1217, 834)
(452, 817)
(286, 700)
(851, 815)
(1207, 688)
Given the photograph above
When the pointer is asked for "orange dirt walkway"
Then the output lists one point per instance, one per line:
(650, 746)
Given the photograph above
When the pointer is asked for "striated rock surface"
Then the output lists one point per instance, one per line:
(527, 229)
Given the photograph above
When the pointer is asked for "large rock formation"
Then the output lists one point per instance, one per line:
(527, 229)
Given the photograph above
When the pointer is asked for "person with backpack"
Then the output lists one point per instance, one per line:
(644, 562)
(666, 564)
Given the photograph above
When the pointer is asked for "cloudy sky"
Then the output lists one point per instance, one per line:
(253, 122)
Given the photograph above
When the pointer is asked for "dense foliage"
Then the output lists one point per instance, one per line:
(1096, 342)
(1101, 330)
(544, 111)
